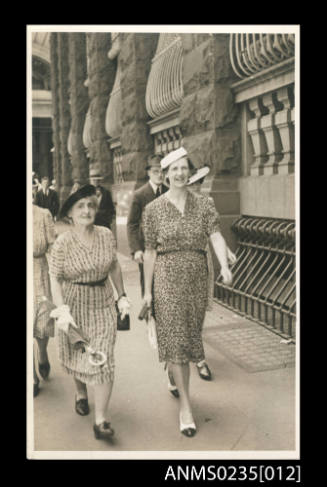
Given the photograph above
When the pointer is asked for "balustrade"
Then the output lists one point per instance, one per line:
(271, 131)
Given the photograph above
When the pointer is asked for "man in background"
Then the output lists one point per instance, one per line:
(142, 196)
(47, 198)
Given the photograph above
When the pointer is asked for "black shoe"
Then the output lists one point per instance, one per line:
(44, 370)
(103, 431)
(171, 385)
(36, 389)
(204, 371)
(82, 407)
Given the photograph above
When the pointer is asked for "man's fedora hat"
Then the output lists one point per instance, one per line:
(83, 192)
(153, 161)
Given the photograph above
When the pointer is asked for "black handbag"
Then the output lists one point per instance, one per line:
(122, 324)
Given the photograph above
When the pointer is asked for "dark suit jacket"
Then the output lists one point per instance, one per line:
(106, 211)
(51, 201)
(142, 196)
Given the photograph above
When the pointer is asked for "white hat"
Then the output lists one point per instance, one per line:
(200, 173)
(172, 157)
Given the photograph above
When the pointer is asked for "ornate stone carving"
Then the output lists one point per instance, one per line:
(271, 134)
(285, 125)
(257, 136)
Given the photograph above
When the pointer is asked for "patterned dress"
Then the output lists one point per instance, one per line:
(93, 308)
(180, 291)
(43, 236)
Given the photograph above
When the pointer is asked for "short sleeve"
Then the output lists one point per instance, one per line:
(212, 219)
(149, 228)
(113, 246)
(49, 227)
(57, 259)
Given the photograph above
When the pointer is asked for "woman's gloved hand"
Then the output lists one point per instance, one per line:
(231, 257)
(124, 306)
(63, 318)
(147, 299)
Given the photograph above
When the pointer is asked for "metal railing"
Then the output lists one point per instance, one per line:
(264, 287)
(252, 53)
(164, 90)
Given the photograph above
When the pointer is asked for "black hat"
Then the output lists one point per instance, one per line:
(83, 192)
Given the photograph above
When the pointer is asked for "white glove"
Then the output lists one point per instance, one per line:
(63, 318)
(138, 256)
(231, 257)
(227, 276)
(123, 306)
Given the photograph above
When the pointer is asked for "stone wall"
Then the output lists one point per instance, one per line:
(55, 106)
(79, 102)
(210, 121)
(136, 53)
(101, 78)
(64, 115)
(269, 196)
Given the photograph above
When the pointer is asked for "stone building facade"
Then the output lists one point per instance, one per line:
(229, 100)
(41, 105)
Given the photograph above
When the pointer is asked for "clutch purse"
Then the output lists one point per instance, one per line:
(122, 324)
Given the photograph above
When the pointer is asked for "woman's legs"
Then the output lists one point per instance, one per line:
(181, 373)
(81, 390)
(102, 394)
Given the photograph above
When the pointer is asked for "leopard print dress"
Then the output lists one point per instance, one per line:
(180, 292)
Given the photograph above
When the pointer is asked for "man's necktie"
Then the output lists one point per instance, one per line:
(158, 192)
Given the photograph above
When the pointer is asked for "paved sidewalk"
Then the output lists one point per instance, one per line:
(239, 411)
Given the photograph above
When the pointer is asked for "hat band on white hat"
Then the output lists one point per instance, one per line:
(172, 157)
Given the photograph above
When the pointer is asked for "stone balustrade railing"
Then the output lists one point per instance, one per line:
(265, 62)
(252, 53)
(268, 128)
(271, 130)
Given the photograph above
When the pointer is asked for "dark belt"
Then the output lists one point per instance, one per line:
(92, 283)
(199, 251)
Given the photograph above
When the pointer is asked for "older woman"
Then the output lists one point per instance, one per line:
(176, 229)
(82, 258)
(43, 237)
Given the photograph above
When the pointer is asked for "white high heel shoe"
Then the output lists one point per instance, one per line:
(188, 429)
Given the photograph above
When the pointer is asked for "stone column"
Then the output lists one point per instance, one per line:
(79, 101)
(210, 121)
(136, 53)
(64, 114)
(55, 107)
(101, 78)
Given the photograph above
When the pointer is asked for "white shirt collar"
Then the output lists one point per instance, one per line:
(154, 186)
